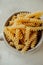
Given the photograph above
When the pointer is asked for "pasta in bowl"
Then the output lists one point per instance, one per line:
(23, 30)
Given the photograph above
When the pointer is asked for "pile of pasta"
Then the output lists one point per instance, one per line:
(22, 31)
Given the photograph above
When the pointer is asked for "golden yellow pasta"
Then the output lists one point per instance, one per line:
(27, 34)
(17, 37)
(20, 46)
(11, 30)
(28, 42)
(33, 43)
(36, 20)
(16, 27)
(30, 20)
(37, 14)
(22, 30)
(13, 18)
(36, 28)
(20, 35)
(8, 34)
(21, 15)
(11, 22)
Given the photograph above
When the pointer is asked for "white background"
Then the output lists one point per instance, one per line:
(8, 7)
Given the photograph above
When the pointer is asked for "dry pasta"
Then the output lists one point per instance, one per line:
(27, 43)
(35, 14)
(30, 20)
(36, 28)
(33, 43)
(22, 30)
(17, 38)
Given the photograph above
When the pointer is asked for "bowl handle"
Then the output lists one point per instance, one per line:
(1, 37)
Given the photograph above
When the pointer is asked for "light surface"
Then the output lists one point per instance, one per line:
(7, 8)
